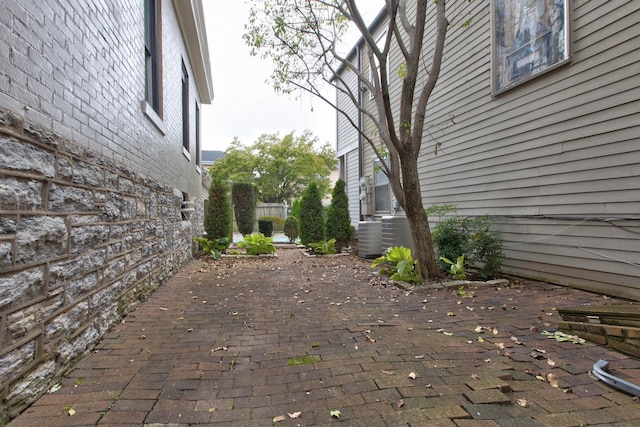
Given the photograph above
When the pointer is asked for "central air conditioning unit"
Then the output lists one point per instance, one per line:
(369, 239)
(396, 232)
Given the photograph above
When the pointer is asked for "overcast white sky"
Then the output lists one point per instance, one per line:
(244, 106)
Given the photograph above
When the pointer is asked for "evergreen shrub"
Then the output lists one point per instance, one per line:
(312, 226)
(338, 219)
(244, 202)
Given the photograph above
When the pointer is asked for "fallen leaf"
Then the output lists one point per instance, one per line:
(220, 348)
(400, 403)
(448, 333)
(419, 357)
(71, 412)
(294, 415)
(478, 329)
(142, 337)
(553, 380)
(551, 362)
(474, 376)
(524, 402)
(369, 339)
(335, 413)
(451, 313)
(495, 331)
(279, 418)
(163, 309)
(515, 340)
(214, 409)
(500, 345)
(55, 388)
(480, 339)
(412, 375)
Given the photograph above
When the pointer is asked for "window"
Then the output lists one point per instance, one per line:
(151, 52)
(185, 109)
(529, 37)
(197, 135)
(381, 189)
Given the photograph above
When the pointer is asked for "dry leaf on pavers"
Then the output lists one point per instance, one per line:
(516, 341)
(524, 402)
(55, 388)
(551, 362)
(163, 309)
(294, 414)
(553, 380)
(335, 413)
(500, 345)
(474, 376)
(400, 403)
(142, 337)
(220, 348)
(279, 418)
(412, 375)
(214, 409)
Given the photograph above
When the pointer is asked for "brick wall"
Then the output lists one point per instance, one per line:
(91, 186)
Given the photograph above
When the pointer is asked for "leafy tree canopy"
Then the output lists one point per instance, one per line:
(280, 167)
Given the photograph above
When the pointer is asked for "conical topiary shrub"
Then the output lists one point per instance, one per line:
(244, 205)
(338, 220)
(312, 227)
(217, 219)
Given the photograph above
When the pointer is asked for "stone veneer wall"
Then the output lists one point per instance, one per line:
(82, 241)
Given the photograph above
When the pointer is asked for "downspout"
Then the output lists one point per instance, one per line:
(360, 120)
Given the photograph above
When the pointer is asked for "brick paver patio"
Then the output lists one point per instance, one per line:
(242, 341)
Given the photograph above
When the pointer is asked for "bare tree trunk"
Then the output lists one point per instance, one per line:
(418, 221)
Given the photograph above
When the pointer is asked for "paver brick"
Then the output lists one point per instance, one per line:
(177, 377)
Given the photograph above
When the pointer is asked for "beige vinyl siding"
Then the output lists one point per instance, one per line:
(551, 159)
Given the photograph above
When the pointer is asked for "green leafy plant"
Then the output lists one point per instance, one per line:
(266, 227)
(291, 228)
(473, 237)
(398, 264)
(215, 247)
(257, 244)
(338, 219)
(456, 268)
(324, 247)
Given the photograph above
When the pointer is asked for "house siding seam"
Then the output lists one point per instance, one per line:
(555, 160)
(91, 190)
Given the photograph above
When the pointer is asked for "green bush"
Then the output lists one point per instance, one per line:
(312, 226)
(398, 263)
(324, 247)
(257, 244)
(338, 219)
(244, 202)
(215, 247)
(472, 237)
(291, 228)
(265, 226)
(217, 219)
(278, 223)
(295, 209)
